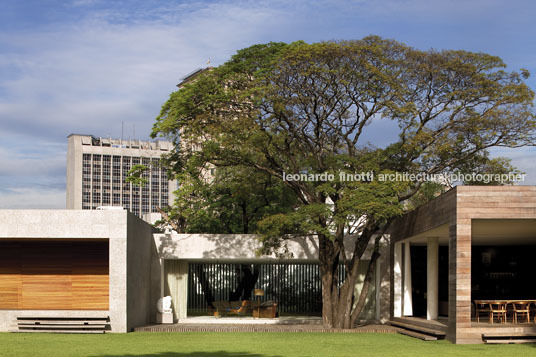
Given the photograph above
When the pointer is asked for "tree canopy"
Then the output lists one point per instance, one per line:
(276, 109)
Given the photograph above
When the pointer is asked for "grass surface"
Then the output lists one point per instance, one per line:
(245, 344)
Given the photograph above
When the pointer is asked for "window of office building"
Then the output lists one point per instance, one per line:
(106, 170)
(116, 199)
(126, 169)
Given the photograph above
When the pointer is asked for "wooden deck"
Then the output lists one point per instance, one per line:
(479, 332)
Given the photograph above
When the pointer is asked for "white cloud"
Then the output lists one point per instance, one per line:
(20, 198)
(93, 75)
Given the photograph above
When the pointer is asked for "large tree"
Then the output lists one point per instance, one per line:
(305, 108)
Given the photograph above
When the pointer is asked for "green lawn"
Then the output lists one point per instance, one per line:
(245, 344)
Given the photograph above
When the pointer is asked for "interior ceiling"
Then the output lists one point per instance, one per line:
(488, 232)
(441, 232)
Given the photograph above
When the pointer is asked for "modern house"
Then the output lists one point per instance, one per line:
(471, 243)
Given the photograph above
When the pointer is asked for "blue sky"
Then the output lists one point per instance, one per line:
(86, 66)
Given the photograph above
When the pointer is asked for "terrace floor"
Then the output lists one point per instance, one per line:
(250, 324)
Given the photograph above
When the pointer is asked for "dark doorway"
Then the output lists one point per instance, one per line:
(503, 272)
(419, 280)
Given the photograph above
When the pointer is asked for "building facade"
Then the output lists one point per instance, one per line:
(97, 169)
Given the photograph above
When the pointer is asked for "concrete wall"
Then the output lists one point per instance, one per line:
(143, 274)
(241, 247)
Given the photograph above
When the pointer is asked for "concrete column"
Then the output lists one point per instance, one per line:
(407, 304)
(397, 280)
(162, 277)
(377, 298)
(432, 271)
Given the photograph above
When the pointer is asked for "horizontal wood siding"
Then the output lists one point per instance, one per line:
(441, 210)
(54, 275)
(10, 276)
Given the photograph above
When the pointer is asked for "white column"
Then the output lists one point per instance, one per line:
(162, 277)
(408, 300)
(432, 264)
(397, 280)
(378, 305)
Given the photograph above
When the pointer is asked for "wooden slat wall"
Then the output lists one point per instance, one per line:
(54, 275)
(90, 278)
(10, 276)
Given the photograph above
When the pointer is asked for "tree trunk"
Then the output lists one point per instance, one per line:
(338, 300)
(327, 297)
(246, 283)
(205, 286)
(328, 269)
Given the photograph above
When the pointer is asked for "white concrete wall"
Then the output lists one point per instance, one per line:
(143, 274)
(236, 247)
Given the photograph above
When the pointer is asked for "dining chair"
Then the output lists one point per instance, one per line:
(521, 308)
(481, 308)
(497, 309)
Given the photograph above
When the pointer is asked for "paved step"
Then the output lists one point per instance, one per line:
(421, 329)
(508, 341)
(507, 334)
(505, 338)
(261, 328)
(415, 334)
(431, 324)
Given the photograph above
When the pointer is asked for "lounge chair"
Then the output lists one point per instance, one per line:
(224, 308)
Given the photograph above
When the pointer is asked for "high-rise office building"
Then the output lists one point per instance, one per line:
(97, 169)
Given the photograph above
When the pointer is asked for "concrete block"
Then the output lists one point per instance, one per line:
(164, 318)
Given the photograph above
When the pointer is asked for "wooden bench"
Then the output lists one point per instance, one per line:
(63, 325)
